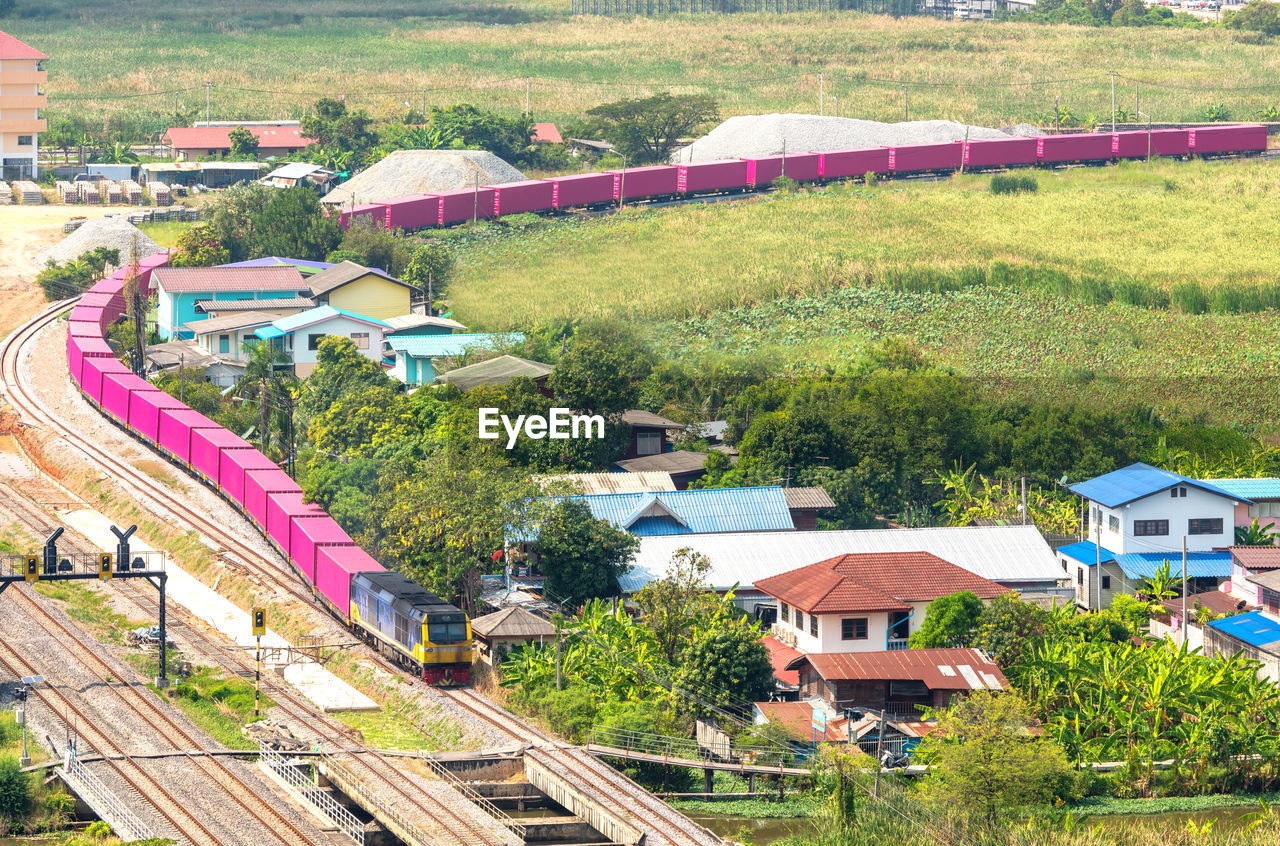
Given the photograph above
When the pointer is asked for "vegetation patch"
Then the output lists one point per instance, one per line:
(219, 705)
(91, 609)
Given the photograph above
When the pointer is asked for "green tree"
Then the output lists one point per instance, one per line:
(15, 790)
(269, 381)
(243, 143)
(1008, 627)
(470, 128)
(199, 246)
(7, 7)
(647, 129)
(948, 621)
(67, 279)
(681, 603)
(376, 247)
(1259, 16)
(582, 557)
(728, 666)
(336, 129)
(602, 370)
(117, 153)
(340, 370)
(985, 759)
(1255, 535)
(430, 268)
(292, 224)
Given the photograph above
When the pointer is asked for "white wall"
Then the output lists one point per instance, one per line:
(1178, 511)
(342, 327)
(829, 632)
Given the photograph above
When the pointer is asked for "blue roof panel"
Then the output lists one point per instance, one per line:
(1135, 482)
(1200, 565)
(1255, 489)
(1253, 628)
(433, 346)
(1086, 553)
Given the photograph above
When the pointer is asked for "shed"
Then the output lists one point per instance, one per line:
(498, 634)
(496, 371)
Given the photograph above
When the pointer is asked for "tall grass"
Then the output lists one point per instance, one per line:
(267, 60)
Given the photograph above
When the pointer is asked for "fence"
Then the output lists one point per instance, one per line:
(728, 7)
(688, 748)
(471, 794)
(103, 801)
(345, 821)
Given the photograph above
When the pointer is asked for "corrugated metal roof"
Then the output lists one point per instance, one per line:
(636, 417)
(1137, 481)
(276, 261)
(512, 622)
(939, 669)
(346, 272)
(434, 346)
(197, 279)
(276, 303)
(233, 320)
(808, 499)
(1254, 628)
(1086, 553)
(1200, 565)
(310, 317)
(653, 514)
(1006, 554)
(615, 483)
(676, 462)
(495, 371)
(1255, 489)
(1256, 557)
(1269, 580)
(295, 170)
(219, 137)
(416, 321)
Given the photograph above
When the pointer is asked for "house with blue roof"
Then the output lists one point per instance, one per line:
(693, 512)
(1256, 634)
(1259, 499)
(300, 334)
(1139, 518)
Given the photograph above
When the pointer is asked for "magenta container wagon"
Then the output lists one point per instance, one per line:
(581, 189)
(84, 329)
(95, 299)
(1246, 138)
(282, 509)
(307, 536)
(144, 412)
(236, 465)
(206, 451)
(86, 314)
(92, 373)
(532, 195)
(335, 565)
(712, 176)
(1085, 147)
(1000, 152)
(260, 484)
(78, 349)
(843, 164)
(176, 426)
(644, 182)
(464, 204)
(117, 388)
(1158, 142)
(375, 213)
(925, 158)
(415, 212)
(766, 169)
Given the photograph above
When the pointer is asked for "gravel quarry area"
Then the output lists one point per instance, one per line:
(770, 135)
(406, 173)
(111, 232)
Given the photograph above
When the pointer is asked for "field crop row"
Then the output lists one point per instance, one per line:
(266, 61)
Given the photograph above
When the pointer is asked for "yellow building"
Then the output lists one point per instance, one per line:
(21, 75)
(362, 290)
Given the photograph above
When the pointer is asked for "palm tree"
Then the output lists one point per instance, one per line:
(268, 379)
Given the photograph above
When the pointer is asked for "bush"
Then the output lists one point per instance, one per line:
(15, 790)
(1009, 184)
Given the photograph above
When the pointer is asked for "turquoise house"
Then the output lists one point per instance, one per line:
(415, 353)
(179, 289)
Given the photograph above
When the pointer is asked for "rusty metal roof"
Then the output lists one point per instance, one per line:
(939, 669)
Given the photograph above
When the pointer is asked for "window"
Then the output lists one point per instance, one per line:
(786, 612)
(1079, 575)
(853, 628)
(1113, 523)
(313, 342)
(445, 633)
(898, 626)
(361, 339)
(24, 140)
(1205, 526)
(813, 625)
(799, 619)
(1106, 583)
(402, 630)
(224, 343)
(648, 443)
(1270, 600)
(1178, 492)
(1150, 528)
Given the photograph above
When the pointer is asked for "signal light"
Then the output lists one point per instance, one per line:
(33, 568)
(259, 621)
(104, 566)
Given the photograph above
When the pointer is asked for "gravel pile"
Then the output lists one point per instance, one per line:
(408, 172)
(767, 135)
(111, 232)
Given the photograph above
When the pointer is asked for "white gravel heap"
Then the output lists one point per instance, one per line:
(111, 232)
(408, 172)
(764, 135)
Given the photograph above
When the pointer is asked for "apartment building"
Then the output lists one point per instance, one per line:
(22, 74)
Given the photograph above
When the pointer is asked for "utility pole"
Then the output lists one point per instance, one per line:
(906, 105)
(879, 753)
(526, 96)
(1184, 589)
(1024, 499)
(821, 96)
(475, 212)
(1113, 100)
(556, 620)
(1097, 544)
(1057, 114)
(182, 378)
(622, 184)
(208, 86)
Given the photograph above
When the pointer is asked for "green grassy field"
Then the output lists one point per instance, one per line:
(267, 61)
(808, 281)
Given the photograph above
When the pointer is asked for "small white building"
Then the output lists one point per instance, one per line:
(300, 334)
(227, 334)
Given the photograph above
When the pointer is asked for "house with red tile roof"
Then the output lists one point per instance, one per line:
(865, 602)
(192, 142)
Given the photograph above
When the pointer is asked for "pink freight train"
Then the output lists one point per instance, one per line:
(405, 622)
(662, 182)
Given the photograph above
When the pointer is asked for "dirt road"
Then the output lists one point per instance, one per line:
(25, 233)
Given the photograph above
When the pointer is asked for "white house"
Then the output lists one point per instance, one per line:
(869, 602)
(300, 334)
(1139, 517)
(226, 334)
